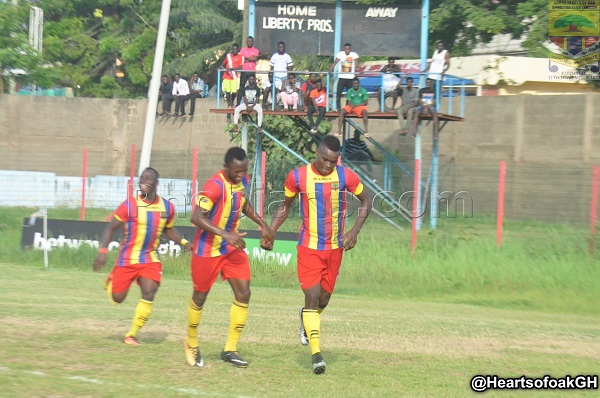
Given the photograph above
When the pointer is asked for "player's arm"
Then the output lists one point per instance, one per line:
(266, 235)
(351, 237)
(335, 62)
(107, 235)
(201, 219)
(175, 236)
(281, 213)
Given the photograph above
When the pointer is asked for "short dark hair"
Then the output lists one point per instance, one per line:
(281, 42)
(235, 45)
(250, 37)
(167, 76)
(356, 79)
(319, 81)
(249, 75)
(153, 170)
(392, 59)
(410, 78)
(428, 80)
(347, 45)
(177, 74)
(235, 153)
(332, 143)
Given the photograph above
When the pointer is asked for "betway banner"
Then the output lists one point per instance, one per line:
(309, 28)
(74, 234)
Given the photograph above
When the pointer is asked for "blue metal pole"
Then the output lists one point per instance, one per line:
(434, 185)
(382, 97)
(424, 41)
(462, 99)
(337, 45)
(251, 17)
(258, 168)
(450, 95)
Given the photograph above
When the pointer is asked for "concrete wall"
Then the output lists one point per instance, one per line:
(548, 142)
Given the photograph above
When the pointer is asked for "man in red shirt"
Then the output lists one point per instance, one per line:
(250, 54)
(231, 78)
(318, 103)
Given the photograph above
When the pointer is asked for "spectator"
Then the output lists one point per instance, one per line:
(231, 79)
(197, 91)
(426, 105)
(251, 96)
(165, 94)
(181, 93)
(348, 60)
(290, 93)
(356, 103)
(410, 100)
(281, 62)
(307, 87)
(439, 64)
(357, 151)
(318, 103)
(250, 54)
(267, 88)
(392, 84)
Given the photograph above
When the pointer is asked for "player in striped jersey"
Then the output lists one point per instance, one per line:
(219, 248)
(322, 188)
(144, 219)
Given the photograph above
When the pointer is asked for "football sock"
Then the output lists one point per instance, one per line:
(194, 314)
(312, 325)
(237, 320)
(108, 287)
(140, 316)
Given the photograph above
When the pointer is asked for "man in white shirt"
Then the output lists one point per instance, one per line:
(181, 93)
(281, 63)
(348, 60)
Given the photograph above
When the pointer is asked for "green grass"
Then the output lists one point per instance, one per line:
(539, 267)
(61, 337)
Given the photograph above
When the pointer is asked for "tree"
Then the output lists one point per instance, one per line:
(573, 21)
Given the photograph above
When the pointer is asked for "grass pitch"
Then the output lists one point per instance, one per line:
(61, 338)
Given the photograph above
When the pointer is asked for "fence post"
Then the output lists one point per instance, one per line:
(83, 183)
(263, 179)
(415, 209)
(194, 178)
(594, 208)
(131, 172)
(500, 216)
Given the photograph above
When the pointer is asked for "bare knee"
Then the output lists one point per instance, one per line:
(242, 296)
(199, 298)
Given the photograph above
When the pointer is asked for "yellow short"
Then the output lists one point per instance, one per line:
(231, 86)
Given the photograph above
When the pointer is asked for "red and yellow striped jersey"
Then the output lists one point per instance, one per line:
(322, 204)
(144, 225)
(224, 201)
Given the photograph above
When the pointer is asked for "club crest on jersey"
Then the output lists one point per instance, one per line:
(163, 214)
(335, 186)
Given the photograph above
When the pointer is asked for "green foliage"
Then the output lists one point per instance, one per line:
(573, 21)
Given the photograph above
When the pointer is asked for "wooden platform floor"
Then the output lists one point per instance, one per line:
(371, 115)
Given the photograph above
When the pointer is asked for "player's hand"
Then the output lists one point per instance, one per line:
(250, 108)
(235, 239)
(99, 262)
(189, 247)
(350, 239)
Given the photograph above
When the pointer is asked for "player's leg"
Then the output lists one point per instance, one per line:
(365, 118)
(149, 276)
(343, 113)
(118, 282)
(204, 274)
(237, 272)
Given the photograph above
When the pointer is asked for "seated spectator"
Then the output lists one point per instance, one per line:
(410, 101)
(318, 103)
(290, 93)
(357, 151)
(307, 87)
(165, 94)
(181, 93)
(267, 88)
(356, 103)
(392, 84)
(251, 102)
(426, 105)
(196, 91)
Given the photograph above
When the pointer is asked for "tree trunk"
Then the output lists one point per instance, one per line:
(573, 28)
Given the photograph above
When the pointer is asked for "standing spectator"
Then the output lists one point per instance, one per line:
(348, 60)
(250, 54)
(426, 105)
(439, 64)
(144, 220)
(181, 93)
(165, 94)
(322, 187)
(197, 91)
(356, 103)
(410, 100)
(251, 97)
(318, 103)
(231, 78)
(307, 87)
(281, 63)
(392, 83)
(219, 249)
(290, 93)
